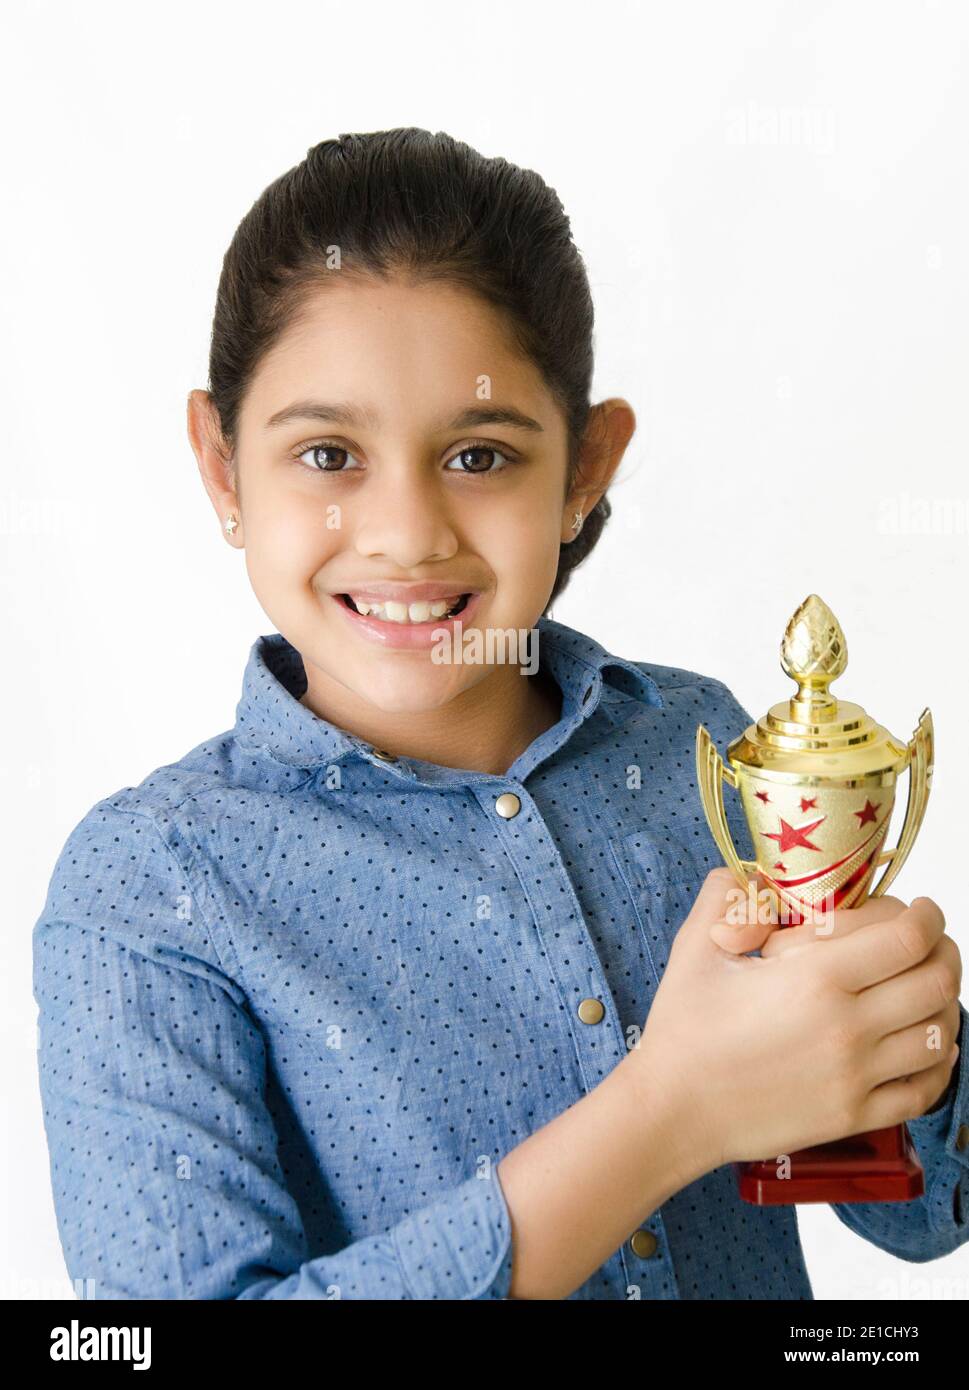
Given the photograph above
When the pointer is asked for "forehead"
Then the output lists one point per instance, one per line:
(399, 347)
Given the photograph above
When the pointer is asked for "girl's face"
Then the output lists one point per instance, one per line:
(395, 447)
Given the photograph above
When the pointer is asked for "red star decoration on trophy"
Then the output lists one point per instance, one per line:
(782, 867)
(807, 801)
(794, 837)
(868, 814)
(763, 796)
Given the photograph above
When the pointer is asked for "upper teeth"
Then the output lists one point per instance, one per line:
(406, 612)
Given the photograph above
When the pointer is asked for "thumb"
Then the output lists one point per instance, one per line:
(748, 918)
(720, 905)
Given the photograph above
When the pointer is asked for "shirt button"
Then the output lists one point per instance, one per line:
(644, 1244)
(508, 805)
(384, 757)
(591, 1011)
(962, 1137)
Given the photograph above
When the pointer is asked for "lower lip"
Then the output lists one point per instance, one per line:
(405, 635)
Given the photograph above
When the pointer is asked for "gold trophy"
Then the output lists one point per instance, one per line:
(817, 780)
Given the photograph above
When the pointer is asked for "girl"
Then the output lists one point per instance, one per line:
(347, 1002)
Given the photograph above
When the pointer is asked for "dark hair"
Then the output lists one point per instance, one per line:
(429, 205)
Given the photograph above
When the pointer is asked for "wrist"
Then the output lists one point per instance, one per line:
(667, 1119)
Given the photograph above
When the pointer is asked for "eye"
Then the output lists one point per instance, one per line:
(333, 464)
(479, 465)
(478, 457)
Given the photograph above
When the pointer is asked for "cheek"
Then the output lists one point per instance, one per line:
(522, 545)
(294, 535)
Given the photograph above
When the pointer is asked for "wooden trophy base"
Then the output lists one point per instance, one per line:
(879, 1166)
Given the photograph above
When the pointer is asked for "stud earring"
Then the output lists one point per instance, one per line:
(577, 522)
(230, 524)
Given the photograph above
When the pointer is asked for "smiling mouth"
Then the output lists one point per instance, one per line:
(407, 614)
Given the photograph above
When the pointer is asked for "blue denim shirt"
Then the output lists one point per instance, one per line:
(297, 999)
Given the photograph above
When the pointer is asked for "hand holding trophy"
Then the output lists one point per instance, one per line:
(817, 779)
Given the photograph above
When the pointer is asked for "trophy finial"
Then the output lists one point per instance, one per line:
(813, 653)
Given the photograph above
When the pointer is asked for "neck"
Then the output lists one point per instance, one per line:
(483, 729)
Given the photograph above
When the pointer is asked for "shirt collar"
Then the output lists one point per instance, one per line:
(270, 717)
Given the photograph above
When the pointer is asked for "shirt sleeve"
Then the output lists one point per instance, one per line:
(922, 1228)
(163, 1154)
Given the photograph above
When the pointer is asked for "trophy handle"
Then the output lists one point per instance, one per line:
(711, 773)
(920, 759)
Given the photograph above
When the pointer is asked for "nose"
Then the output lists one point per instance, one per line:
(404, 519)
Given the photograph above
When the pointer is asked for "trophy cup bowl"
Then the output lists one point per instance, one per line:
(817, 780)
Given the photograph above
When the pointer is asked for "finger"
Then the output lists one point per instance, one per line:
(872, 910)
(929, 1041)
(829, 926)
(916, 1048)
(895, 1102)
(884, 949)
(915, 994)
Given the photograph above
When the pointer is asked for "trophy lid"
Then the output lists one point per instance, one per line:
(814, 733)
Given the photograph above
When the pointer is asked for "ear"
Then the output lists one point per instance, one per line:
(610, 428)
(216, 467)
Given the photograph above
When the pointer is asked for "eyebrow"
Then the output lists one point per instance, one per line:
(356, 419)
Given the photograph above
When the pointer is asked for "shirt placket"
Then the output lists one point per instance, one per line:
(643, 1261)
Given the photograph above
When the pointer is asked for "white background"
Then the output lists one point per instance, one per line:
(771, 202)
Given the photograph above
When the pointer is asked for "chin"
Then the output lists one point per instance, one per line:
(413, 688)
